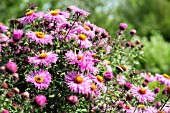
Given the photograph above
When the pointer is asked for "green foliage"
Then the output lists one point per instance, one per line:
(147, 16)
(156, 58)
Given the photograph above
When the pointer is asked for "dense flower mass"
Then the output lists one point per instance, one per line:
(56, 61)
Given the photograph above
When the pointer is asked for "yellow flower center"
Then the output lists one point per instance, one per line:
(142, 90)
(127, 106)
(82, 37)
(40, 35)
(42, 56)
(94, 55)
(141, 106)
(93, 87)
(99, 78)
(108, 62)
(78, 79)
(1, 23)
(166, 76)
(29, 12)
(161, 111)
(148, 76)
(54, 12)
(38, 79)
(87, 28)
(80, 57)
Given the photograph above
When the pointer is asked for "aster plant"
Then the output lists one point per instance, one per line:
(59, 62)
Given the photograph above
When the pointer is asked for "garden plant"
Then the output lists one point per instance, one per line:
(58, 62)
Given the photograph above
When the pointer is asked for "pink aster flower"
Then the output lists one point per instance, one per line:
(40, 100)
(121, 79)
(56, 15)
(123, 26)
(44, 58)
(143, 94)
(84, 60)
(41, 79)
(150, 109)
(78, 11)
(3, 38)
(3, 28)
(99, 81)
(5, 111)
(108, 49)
(30, 16)
(164, 79)
(82, 39)
(148, 77)
(17, 34)
(39, 37)
(77, 82)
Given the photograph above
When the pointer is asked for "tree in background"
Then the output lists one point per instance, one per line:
(147, 16)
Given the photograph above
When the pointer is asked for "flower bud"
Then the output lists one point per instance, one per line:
(157, 90)
(158, 104)
(16, 90)
(73, 99)
(145, 84)
(108, 76)
(127, 85)
(11, 67)
(25, 94)
(5, 111)
(123, 26)
(133, 32)
(17, 35)
(164, 91)
(40, 100)
(10, 94)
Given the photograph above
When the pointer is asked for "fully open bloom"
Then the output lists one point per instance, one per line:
(41, 79)
(56, 15)
(77, 82)
(40, 100)
(39, 37)
(3, 28)
(3, 38)
(164, 79)
(30, 16)
(78, 11)
(44, 58)
(143, 94)
(148, 77)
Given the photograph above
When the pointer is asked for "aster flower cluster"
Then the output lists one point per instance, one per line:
(57, 61)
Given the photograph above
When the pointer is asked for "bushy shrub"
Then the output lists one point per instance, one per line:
(56, 61)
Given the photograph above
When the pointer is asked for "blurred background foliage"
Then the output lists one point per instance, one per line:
(151, 19)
